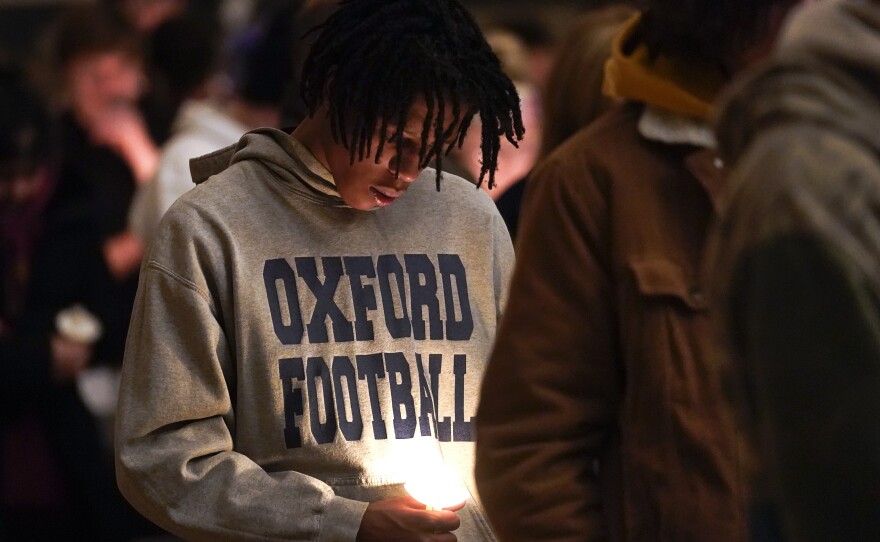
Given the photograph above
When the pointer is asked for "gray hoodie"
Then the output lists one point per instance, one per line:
(291, 359)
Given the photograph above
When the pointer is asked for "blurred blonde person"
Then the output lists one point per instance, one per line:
(104, 152)
(55, 480)
(107, 148)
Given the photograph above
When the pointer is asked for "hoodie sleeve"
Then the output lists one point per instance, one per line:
(548, 396)
(176, 458)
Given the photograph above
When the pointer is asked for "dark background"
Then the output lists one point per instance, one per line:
(22, 21)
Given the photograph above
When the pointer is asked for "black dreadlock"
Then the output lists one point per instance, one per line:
(374, 58)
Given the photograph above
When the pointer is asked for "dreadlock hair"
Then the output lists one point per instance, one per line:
(374, 58)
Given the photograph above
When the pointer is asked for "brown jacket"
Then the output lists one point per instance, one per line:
(601, 414)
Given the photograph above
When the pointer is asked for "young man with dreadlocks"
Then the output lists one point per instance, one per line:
(303, 342)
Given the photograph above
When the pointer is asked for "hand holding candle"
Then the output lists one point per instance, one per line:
(432, 484)
(436, 492)
(404, 518)
(437, 487)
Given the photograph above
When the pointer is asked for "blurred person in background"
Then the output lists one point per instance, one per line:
(796, 266)
(145, 16)
(572, 95)
(601, 413)
(56, 479)
(540, 44)
(159, 99)
(514, 160)
(569, 96)
(212, 118)
(97, 64)
(260, 60)
(105, 152)
(307, 17)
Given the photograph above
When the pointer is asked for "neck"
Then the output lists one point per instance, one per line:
(314, 135)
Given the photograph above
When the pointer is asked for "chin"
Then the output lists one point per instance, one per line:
(361, 205)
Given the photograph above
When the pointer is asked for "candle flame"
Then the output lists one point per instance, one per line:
(437, 487)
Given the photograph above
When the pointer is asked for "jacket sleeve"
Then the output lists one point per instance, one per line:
(805, 325)
(551, 389)
(795, 269)
(176, 459)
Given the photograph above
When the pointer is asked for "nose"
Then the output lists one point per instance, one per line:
(409, 166)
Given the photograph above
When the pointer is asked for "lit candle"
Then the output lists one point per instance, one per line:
(437, 487)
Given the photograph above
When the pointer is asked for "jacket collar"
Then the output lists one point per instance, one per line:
(660, 125)
(683, 86)
(664, 126)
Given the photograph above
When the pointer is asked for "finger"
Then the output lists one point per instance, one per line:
(410, 502)
(443, 521)
(443, 537)
(455, 507)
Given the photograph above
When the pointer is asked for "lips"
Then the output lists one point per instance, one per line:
(384, 195)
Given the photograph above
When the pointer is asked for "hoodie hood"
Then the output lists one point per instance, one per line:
(288, 160)
(825, 70)
(683, 87)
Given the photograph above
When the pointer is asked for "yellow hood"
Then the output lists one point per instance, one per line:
(683, 87)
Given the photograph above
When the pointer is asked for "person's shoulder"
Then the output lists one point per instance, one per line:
(615, 129)
(599, 155)
(453, 189)
(457, 184)
(198, 218)
(792, 163)
(213, 198)
(619, 124)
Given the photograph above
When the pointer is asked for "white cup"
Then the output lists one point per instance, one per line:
(77, 324)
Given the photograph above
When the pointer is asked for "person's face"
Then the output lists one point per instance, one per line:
(97, 82)
(366, 184)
